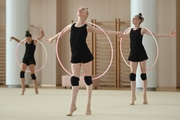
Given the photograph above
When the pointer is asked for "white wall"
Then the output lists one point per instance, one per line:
(43, 15)
(167, 58)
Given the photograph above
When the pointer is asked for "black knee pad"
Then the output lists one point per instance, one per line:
(143, 76)
(88, 80)
(132, 77)
(22, 74)
(74, 81)
(33, 76)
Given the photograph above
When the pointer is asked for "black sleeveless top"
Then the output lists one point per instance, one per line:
(78, 43)
(30, 49)
(137, 51)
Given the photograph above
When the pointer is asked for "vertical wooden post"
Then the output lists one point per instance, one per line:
(115, 55)
(118, 54)
(94, 49)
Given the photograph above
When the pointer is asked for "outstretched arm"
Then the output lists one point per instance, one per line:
(98, 31)
(119, 33)
(56, 36)
(171, 34)
(126, 35)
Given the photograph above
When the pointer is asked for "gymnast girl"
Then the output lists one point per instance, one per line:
(81, 55)
(28, 59)
(138, 54)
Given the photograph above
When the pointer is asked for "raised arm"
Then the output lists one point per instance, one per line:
(40, 37)
(171, 34)
(41, 34)
(56, 36)
(17, 40)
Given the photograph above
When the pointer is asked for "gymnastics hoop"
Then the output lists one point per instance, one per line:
(157, 52)
(16, 53)
(94, 78)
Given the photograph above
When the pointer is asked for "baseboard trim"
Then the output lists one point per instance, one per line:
(16, 86)
(166, 87)
(47, 85)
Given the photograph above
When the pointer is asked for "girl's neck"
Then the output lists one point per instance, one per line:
(29, 42)
(136, 27)
(81, 21)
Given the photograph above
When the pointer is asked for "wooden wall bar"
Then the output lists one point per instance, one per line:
(2, 42)
(100, 48)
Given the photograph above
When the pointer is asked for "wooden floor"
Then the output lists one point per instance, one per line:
(53, 104)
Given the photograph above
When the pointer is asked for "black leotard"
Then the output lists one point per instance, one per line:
(137, 51)
(79, 48)
(29, 53)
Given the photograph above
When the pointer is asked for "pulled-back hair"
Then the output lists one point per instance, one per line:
(140, 17)
(87, 10)
(28, 34)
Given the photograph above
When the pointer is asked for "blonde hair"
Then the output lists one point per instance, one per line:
(87, 10)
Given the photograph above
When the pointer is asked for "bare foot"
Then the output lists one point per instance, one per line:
(71, 111)
(145, 100)
(36, 91)
(88, 112)
(133, 100)
(23, 90)
(88, 109)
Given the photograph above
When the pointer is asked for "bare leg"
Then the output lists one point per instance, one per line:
(74, 93)
(133, 92)
(88, 72)
(35, 86)
(23, 85)
(76, 73)
(144, 92)
(89, 95)
(143, 70)
(133, 66)
(23, 68)
(32, 67)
